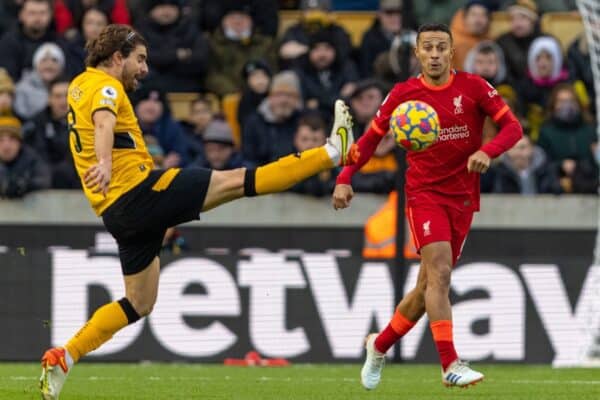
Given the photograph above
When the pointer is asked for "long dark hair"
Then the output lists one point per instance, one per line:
(113, 38)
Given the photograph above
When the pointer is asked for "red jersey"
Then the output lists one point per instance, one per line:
(439, 174)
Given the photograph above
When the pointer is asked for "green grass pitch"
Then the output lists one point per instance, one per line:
(306, 382)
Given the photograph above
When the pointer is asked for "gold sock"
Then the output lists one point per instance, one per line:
(287, 171)
(105, 322)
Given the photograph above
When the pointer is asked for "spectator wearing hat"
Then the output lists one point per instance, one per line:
(18, 45)
(316, 17)
(470, 25)
(21, 169)
(154, 117)
(177, 51)
(7, 93)
(264, 13)
(364, 103)
(93, 21)
(324, 75)
(200, 116)
(378, 38)
(231, 47)
(545, 70)
(269, 131)
(311, 133)
(31, 92)
(257, 79)
(69, 13)
(524, 28)
(219, 151)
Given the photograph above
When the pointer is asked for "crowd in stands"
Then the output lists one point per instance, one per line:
(283, 83)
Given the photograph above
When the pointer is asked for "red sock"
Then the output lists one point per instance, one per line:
(398, 327)
(442, 335)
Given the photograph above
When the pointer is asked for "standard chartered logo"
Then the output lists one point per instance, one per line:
(454, 132)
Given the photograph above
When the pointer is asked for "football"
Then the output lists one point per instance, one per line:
(415, 125)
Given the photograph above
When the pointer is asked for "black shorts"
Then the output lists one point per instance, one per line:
(139, 219)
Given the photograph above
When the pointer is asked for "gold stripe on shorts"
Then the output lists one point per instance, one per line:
(165, 179)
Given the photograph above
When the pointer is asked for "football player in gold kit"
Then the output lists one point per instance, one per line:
(138, 203)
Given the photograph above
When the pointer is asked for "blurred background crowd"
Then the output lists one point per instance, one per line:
(237, 83)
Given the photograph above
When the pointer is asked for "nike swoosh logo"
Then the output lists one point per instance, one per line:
(343, 134)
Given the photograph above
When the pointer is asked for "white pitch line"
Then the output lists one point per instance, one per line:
(554, 382)
(289, 379)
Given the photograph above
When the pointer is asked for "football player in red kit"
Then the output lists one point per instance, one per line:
(442, 192)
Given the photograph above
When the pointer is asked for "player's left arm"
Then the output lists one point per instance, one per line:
(510, 130)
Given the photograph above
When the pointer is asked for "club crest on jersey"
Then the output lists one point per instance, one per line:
(427, 228)
(109, 92)
(458, 108)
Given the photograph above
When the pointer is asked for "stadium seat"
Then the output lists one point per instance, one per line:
(180, 104)
(355, 22)
(229, 105)
(565, 26)
(500, 23)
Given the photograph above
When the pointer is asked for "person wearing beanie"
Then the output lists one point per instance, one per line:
(21, 169)
(294, 43)
(545, 70)
(257, 79)
(18, 45)
(469, 26)
(379, 37)
(177, 51)
(324, 76)
(7, 93)
(219, 151)
(269, 131)
(524, 28)
(31, 93)
(231, 46)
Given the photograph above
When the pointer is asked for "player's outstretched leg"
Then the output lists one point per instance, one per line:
(287, 171)
(280, 175)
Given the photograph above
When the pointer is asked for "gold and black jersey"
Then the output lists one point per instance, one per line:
(95, 90)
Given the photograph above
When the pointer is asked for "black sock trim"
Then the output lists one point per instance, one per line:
(250, 182)
(130, 312)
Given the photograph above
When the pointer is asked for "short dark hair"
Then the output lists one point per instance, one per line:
(57, 81)
(486, 48)
(434, 27)
(313, 120)
(113, 38)
(48, 2)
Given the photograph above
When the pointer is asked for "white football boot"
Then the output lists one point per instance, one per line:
(54, 373)
(341, 136)
(370, 374)
(460, 374)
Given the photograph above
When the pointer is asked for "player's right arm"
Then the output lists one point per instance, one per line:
(364, 148)
(97, 177)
